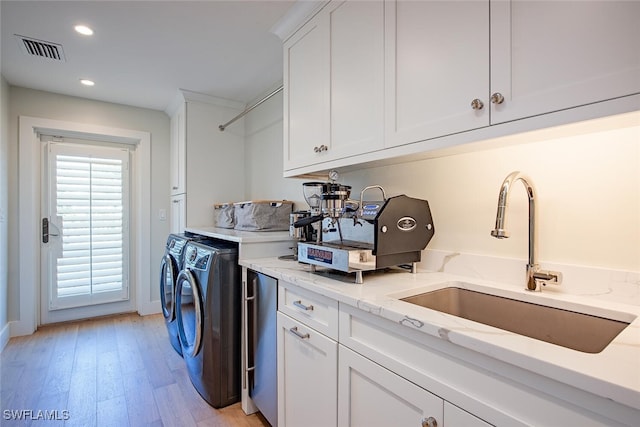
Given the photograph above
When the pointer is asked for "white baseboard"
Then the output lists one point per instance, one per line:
(5, 334)
(151, 307)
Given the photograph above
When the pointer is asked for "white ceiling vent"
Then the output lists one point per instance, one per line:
(41, 48)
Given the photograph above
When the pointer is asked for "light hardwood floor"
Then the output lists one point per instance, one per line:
(116, 371)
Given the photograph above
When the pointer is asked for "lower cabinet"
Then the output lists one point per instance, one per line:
(371, 395)
(307, 358)
(308, 372)
(339, 365)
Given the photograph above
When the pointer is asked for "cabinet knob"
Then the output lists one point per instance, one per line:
(497, 98)
(476, 104)
(429, 422)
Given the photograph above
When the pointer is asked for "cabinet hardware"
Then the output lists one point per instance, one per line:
(174, 188)
(302, 306)
(295, 332)
(476, 104)
(429, 422)
(320, 149)
(497, 98)
(175, 201)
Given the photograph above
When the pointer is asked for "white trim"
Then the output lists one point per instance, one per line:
(295, 17)
(184, 95)
(4, 336)
(29, 209)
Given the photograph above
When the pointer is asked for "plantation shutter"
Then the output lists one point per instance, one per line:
(89, 196)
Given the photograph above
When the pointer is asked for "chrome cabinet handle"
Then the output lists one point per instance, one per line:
(429, 422)
(497, 98)
(300, 305)
(320, 149)
(295, 332)
(476, 104)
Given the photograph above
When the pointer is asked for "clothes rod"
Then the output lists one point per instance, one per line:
(224, 126)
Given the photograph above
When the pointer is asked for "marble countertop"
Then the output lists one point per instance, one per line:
(613, 373)
(240, 236)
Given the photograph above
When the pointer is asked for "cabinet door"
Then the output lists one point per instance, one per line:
(306, 94)
(307, 375)
(456, 417)
(549, 56)
(437, 63)
(177, 161)
(357, 77)
(178, 213)
(371, 395)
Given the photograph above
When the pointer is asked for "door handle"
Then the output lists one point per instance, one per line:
(45, 231)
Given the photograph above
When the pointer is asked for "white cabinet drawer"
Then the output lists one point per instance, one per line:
(313, 310)
(307, 376)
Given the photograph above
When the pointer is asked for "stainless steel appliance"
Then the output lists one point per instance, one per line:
(170, 266)
(261, 304)
(363, 236)
(208, 311)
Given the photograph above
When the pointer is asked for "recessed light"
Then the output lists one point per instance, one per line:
(84, 30)
(87, 82)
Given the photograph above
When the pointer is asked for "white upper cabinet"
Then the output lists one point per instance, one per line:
(437, 64)
(553, 55)
(333, 84)
(367, 81)
(357, 77)
(306, 95)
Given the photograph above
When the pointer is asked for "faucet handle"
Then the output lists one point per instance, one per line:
(546, 277)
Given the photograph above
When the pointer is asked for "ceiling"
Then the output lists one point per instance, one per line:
(142, 52)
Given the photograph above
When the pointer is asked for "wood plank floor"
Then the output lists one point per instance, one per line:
(116, 371)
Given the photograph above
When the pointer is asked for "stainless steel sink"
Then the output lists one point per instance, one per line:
(578, 331)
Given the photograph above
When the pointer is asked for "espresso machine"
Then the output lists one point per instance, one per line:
(356, 236)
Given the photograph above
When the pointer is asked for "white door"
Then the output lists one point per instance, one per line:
(85, 229)
(437, 65)
(553, 55)
(307, 376)
(370, 395)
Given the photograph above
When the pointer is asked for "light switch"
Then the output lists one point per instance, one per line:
(162, 215)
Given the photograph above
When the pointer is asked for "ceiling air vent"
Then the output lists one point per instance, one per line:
(41, 48)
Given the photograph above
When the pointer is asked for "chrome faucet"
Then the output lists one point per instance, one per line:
(535, 276)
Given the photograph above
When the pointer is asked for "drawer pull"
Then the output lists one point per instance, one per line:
(294, 331)
(300, 305)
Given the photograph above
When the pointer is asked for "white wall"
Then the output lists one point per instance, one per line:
(263, 156)
(27, 102)
(588, 191)
(4, 201)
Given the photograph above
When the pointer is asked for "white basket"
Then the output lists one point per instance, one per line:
(223, 215)
(262, 215)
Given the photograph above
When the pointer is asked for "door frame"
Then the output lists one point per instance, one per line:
(29, 187)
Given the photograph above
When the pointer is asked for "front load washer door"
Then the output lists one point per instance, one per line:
(189, 312)
(168, 280)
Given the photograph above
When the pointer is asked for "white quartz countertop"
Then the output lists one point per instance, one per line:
(613, 373)
(240, 236)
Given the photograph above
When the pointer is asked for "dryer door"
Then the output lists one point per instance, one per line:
(189, 313)
(168, 279)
